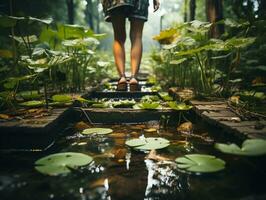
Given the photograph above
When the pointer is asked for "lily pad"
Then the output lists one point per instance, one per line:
(165, 96)
(250, 147)
(60, 104)
(99, 105)
(200, 163)
(148, 143)
(150, 98)
(148, 105)
(179, 106)
(124, 104)
(29, 95)
(98, 131)
(61, 98)
(32, 104)
(61, 163)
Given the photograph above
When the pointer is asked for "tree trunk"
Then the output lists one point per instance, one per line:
(70, 11)
(185, 11)
(192, 8)
(89, 14)
(214, 13)
(98, 19)
(262, 8)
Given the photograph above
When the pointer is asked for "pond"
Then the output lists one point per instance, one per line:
(119, 172)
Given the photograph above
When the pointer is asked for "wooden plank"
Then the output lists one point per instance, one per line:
(219, 107)
(243, 123)
(196, 102)
(226, 113)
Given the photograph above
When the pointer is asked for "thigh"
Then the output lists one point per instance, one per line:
(136, 27)
(119, 25)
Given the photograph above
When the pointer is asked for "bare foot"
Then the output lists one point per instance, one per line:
(122, 80)
(133, 81)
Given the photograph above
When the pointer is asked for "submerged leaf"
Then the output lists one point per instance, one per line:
(250, 147)
(200, 163)
(61, 163)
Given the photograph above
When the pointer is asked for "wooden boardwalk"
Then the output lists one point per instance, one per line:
(219, 114)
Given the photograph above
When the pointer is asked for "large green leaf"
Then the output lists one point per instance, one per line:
(165, 96)
(62, 98)
(148, 143)
(179, 106)
(178, 62)
(150, 98)
(28, 95)
(250, 147)
(61, 163)
(79, 43)
(32, 104)
(124, 104)
(98, 131)
(148, 106)
(200, 163)
(239, 42)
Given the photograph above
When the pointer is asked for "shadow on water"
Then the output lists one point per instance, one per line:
(119, 172)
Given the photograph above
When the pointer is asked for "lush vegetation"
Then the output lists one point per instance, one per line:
(219, 54)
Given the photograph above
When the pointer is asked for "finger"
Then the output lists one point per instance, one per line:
(156, 7)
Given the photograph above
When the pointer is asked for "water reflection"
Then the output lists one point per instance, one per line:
(163, 180)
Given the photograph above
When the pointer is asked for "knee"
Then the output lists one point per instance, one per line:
(135, 36)
(121, 38)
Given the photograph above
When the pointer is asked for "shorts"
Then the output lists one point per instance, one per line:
(131, 9)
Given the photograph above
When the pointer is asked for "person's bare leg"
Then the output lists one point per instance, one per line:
(119, 27)
(136, 28)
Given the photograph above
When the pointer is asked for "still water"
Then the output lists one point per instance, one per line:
(121, 173)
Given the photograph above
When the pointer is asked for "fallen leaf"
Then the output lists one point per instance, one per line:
(4, 116)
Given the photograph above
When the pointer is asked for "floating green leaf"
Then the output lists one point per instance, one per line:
(200, 163)
(165, 96)
(99, 105)
(61, 98)
(124, 104)
(150, 98)
(27, 95)
(60, 104)
(98, 131)
(250, 147)
(32, 103)
(148, 105)
(61, 163)
(148, 143)
(179, 106)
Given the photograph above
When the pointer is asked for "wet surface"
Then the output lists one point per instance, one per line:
(119, 172)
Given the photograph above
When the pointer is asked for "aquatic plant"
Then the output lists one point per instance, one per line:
(250, 147)
(98, 131)
(148, 105)
(33, 103)
(61, 163)
(201, 163)
(148, 143)
(179, 106)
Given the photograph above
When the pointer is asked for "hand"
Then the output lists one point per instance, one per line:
(156, 5)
